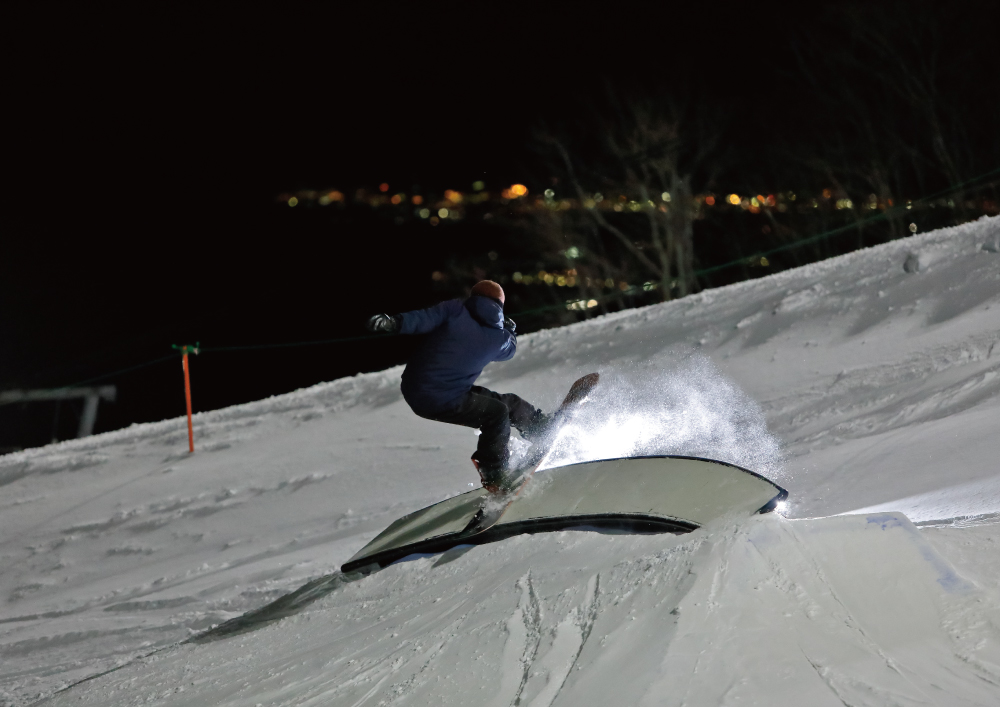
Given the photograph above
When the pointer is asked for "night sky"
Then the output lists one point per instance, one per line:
(148, 147)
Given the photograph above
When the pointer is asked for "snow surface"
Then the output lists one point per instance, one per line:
(869, 392)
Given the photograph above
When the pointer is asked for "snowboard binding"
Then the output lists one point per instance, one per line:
(498, 482)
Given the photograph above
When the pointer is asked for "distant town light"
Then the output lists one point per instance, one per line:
(913, 228)
(424, 213)
(293, 201)
(453, 196)
(417, 199)
(549, 194)
(396, 198)
(518, 277)
(492, 255)
(572, 252)
(518, 189)
(591, 303)
(383, 187)
(598, 197)
(443, 213)
(434, 221)
(437, 276)
(710, 200)
(734, 199)
(478, 185)
(665, 196)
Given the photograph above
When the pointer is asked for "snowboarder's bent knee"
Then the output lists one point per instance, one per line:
(438, 381)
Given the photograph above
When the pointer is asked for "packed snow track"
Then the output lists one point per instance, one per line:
(870, 392)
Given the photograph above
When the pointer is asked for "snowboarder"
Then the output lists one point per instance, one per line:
(462, 337)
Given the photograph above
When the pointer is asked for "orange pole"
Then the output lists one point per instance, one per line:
(187, 394)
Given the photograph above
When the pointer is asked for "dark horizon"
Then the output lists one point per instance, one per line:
(150, 147)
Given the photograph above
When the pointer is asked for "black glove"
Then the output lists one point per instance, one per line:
(509, 325)
(384, 323)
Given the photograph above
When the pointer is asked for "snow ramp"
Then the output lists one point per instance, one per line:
(857, 610)
(647, 494)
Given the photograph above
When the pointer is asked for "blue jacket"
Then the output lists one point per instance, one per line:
(462, 337)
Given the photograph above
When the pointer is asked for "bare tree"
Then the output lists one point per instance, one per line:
(643, 157)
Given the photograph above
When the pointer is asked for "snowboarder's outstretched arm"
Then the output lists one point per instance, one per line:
(419, 321)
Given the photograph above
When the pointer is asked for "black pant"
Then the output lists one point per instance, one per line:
(493, 413)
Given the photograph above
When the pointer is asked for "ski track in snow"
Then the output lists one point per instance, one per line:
(863, 389)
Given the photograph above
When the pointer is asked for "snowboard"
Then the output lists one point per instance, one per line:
(493, 508)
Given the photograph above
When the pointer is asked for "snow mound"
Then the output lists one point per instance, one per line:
(852, 382)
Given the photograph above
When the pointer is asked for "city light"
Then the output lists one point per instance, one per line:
(515, 191)
(581, 304)
(454, 206)
(478, 186)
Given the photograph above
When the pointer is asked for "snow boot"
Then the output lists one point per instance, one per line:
(498, 480)
(538, 427)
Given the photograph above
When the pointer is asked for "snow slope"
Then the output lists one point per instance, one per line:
(868, 391)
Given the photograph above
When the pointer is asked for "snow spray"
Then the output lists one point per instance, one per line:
(690, 410)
